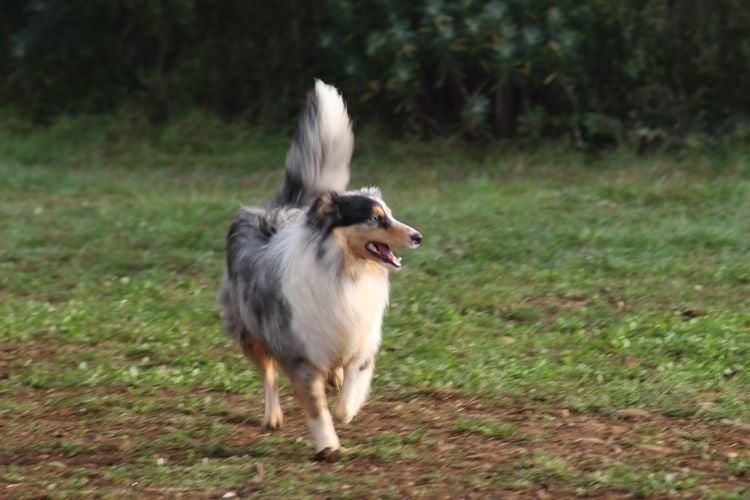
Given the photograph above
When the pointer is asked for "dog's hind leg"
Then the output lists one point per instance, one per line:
(309, 389)
(273, 416)
(336, 378)
(357, 378)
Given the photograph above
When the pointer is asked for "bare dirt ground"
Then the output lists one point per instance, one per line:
(545, 454)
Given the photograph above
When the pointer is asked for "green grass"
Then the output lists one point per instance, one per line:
(603, 290)
(486, 429)
(544, 280)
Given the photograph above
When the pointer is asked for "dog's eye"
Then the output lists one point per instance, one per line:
(377, 219)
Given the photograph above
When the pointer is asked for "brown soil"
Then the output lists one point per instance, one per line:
(444, 462)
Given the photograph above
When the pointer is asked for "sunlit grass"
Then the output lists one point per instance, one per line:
(619, 284)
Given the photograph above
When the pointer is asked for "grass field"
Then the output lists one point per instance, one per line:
(568, 328)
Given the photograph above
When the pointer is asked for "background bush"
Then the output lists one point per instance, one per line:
(599, 71)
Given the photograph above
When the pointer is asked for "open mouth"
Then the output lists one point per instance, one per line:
(384, 253)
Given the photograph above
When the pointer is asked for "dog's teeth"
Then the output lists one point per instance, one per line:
(371, 247)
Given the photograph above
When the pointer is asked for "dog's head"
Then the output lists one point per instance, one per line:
(363, 226)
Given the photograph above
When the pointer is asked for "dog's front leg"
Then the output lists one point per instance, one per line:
(357, 378)
(309, 389)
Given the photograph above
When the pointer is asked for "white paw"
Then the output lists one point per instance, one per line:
(273, 419)
(323, 432)
(328, 455)
(341, 415)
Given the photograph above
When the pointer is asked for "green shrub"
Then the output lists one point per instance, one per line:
(435, 66)
(601, 71)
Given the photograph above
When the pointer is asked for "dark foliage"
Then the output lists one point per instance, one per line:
(599, 70)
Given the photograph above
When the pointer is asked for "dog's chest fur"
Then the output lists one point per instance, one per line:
(337, 315)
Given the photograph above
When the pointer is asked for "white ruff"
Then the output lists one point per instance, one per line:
(338, 318)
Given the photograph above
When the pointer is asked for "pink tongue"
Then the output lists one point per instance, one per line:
(386, 254)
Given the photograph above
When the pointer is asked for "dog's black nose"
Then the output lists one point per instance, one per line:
(416, 238)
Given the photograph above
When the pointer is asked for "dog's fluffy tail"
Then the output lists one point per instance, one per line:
(318, 160)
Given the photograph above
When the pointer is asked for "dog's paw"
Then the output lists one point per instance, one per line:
(272, 421)
(341, 415)
(327, 455)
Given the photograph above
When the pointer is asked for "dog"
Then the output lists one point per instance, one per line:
(306, 281)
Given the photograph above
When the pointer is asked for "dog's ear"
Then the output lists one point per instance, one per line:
(324, 205)
(323, 209)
